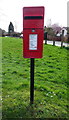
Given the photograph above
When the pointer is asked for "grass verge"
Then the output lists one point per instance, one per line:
(51, 82)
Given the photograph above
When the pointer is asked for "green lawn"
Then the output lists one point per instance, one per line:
(50, 82)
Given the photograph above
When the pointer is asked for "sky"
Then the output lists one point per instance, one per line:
(12, 10)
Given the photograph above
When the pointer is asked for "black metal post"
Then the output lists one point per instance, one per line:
(45, 37)
(45, 41)
(62, 38)
(31, 80)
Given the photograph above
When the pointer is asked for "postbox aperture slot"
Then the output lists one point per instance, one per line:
(33, 17)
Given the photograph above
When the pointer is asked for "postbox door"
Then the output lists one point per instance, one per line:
(33, 43)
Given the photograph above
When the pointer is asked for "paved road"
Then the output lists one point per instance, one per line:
(57, 43)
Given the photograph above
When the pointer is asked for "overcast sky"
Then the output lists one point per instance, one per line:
(11, 10)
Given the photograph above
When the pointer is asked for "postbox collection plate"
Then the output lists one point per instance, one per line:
(33, 41)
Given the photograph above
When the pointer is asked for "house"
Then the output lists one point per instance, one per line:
(60, 32)
(0, 32)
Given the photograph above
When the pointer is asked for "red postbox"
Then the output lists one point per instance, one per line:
(33, 32)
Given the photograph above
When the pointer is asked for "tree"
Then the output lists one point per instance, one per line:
(50, 31)
(56, 28)
(10, 28)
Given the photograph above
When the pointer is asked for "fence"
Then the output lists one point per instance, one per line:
(57, 38)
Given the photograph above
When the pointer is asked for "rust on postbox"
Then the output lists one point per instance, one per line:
(33, 32)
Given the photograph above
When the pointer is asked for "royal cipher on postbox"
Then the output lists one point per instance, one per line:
(33, 32)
